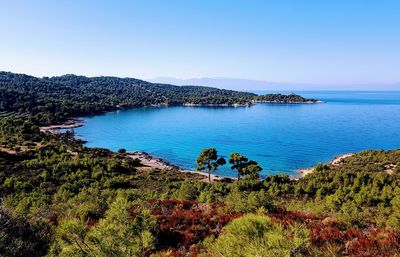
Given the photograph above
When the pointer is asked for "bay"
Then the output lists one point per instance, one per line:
(282, 138)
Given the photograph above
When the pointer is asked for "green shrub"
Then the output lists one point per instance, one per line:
(258, 235)
(247, 202)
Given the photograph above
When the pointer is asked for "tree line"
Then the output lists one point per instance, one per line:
(209, 161)
(56, 99)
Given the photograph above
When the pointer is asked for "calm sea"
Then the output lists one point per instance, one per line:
(282, 138)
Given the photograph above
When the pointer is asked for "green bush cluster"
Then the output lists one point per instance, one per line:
(258, 235)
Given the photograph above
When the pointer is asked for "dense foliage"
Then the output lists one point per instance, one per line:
(279, 98)
(258, 235)
(60, 198)
(57, 98)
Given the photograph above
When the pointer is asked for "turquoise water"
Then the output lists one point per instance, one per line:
(281, 137)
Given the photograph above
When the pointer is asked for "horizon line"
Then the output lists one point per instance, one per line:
(232, 78)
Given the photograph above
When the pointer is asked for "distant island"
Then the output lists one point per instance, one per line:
(56, 99)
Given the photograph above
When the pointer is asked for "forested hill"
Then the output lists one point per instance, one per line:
(72, 95)
(279, 98)
(57, 98)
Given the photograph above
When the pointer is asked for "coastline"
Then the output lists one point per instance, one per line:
(281, 102)
(69, 124)
(217, 105)
(335, 161)
(150, 162)
(76, 122)
(146, 159)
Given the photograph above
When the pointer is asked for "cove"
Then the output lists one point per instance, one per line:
(282, 138)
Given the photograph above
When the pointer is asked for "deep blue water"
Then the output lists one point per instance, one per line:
(281, 137)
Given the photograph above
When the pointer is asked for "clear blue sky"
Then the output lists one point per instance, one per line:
(326, 41)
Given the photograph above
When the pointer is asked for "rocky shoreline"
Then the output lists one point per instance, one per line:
(217, 105)
(69, 124)
(77, 122)
(151, 162)
(283, 102)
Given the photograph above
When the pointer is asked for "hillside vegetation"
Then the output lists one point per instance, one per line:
(279, 98)
(60, 198)
(56, 98)
(72, 95)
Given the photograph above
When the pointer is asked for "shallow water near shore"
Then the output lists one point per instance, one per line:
(281, 137)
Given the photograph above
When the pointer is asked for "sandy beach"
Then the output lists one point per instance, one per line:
(336, 161)
(69, 124)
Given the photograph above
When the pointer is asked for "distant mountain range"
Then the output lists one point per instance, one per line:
(256, 85)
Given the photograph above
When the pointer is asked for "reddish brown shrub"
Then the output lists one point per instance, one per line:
(355, 243)
(287, 218)
(352, 242)
(182, 223)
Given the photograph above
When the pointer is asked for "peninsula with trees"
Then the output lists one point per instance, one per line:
(55, 99)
